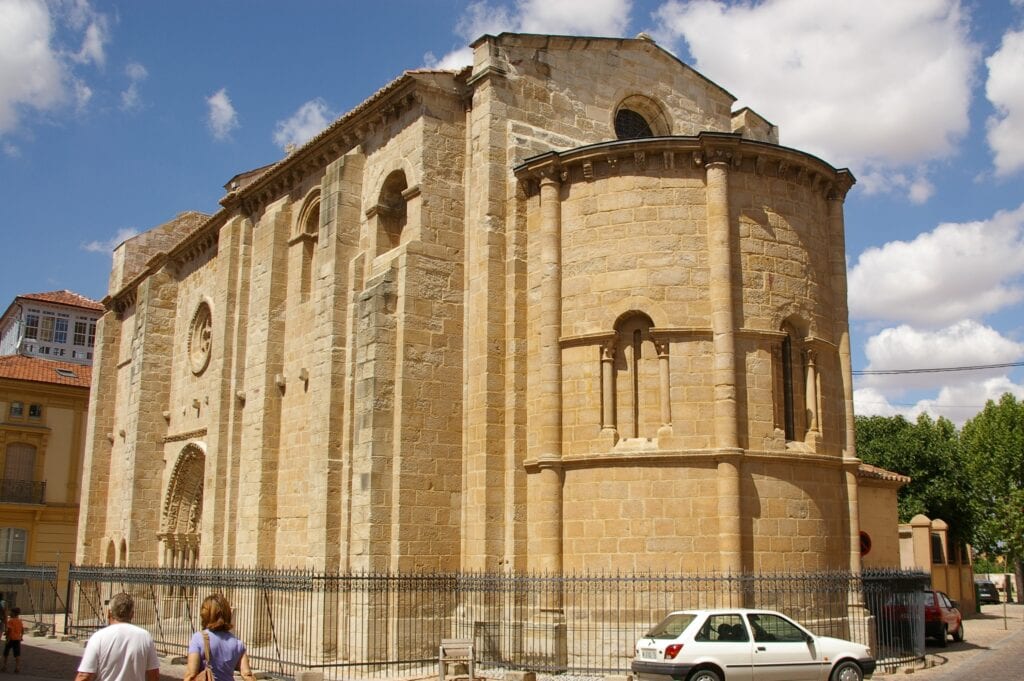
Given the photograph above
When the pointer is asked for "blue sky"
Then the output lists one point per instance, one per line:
(117, 116)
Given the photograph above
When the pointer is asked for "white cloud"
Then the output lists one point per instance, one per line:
(1005, 89)
(36, 67)
(873, 84)
(93, 42)
(110, 244)
(31, 74)
(958, 403)
(956, 271)
(565, 17)
(221, 115)
(131, 100)
(311, 118)
(965, 343)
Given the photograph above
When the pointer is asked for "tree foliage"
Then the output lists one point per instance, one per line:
(993, 445)
(929, 453)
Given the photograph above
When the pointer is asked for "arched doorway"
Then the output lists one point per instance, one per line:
(183, 508)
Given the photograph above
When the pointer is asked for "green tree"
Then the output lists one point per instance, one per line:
(929, 453)
(993, 443)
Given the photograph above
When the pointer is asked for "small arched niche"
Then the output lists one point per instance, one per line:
(391, 211)
(638, 116)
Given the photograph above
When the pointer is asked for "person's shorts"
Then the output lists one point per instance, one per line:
(13, 646)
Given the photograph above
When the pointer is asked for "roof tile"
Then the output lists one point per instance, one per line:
(38, 370)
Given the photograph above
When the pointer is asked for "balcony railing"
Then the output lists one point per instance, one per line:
(22, 491)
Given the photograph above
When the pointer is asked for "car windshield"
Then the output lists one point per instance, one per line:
(671, 626)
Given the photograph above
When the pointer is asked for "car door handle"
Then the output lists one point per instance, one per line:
(761, 648)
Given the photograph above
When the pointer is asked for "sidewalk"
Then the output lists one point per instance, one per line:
(48, 659)
(981, 633)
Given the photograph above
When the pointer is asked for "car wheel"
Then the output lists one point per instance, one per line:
(847, 671)
(705, 675)
(958, 635)
(944, 636)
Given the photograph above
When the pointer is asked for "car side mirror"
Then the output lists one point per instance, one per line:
(956, 604)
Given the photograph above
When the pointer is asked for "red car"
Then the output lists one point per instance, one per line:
(942, 618)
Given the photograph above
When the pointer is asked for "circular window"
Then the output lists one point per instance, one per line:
(200, 338)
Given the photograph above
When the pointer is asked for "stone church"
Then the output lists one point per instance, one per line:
(561, 310)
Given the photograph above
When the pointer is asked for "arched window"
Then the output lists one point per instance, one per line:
(789, 379)
(631, 125)
(391, 212)
(307, 234)
(639, 116)
(637, 378)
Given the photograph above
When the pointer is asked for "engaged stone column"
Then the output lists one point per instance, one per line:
(811, 393)
(841, 325)
(724, 342)
(549, 527)
(608, 387)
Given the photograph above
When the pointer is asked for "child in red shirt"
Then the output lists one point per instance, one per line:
(15, 632)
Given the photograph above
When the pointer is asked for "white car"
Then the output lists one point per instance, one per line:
(736, 644)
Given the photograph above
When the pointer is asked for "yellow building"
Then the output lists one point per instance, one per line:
(43, 408)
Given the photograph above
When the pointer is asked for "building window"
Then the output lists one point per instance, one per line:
(35, 411)
(17, 409)
(13, 541)
(32, 326)
(85, 333)
(46, 328)
(631, 125)
(200, 338)
(60, 330)
(640, 116)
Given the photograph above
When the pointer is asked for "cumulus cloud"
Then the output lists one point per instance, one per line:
(956, 271)
(565, 17)
(303, 125)
(1005, 89)
(829, 76)
(36, 61)
(110, 244)
(963, 344)
(221, 116)
(958, 403)
(131, 100)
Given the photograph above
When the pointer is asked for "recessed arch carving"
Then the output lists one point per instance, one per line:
(183, 505)
(639, 116)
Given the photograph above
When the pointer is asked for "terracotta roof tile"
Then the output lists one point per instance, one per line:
(65, 297)
(869, 471)
(38, 370)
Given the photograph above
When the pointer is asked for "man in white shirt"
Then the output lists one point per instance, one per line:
(120, 651)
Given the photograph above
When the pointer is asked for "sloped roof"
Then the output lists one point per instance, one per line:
(871, 472)
(65, 297)
(39, 370)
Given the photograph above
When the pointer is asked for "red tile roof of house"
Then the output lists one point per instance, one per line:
(65, 297)
(877, 473)
(38, 370)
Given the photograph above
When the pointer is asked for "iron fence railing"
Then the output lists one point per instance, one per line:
(364, 625)
(34, 589)
(14, 491)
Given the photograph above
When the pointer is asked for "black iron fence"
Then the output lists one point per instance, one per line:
(35, 590)
(352, 626)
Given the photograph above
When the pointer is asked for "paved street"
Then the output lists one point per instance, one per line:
(993, 649)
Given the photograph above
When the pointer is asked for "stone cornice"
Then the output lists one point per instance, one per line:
(655, 154)
(188, 435)
(681, 457)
